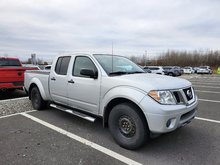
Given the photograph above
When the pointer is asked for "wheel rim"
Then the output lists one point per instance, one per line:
(127, 126)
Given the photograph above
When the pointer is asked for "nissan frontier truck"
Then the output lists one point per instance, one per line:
(131, 103)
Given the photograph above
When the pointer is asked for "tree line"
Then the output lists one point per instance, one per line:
(181, 58)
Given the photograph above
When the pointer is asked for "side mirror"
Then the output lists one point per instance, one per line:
(89, 73)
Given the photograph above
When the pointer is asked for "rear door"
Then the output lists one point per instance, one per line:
(58, 80)
(84, 92)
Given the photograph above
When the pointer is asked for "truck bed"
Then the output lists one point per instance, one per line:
(43, 76)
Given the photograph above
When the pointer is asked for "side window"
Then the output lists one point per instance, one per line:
(62, 65)
(82, 62)
(57, 68)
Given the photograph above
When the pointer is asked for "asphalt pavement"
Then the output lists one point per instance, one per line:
(54, 137)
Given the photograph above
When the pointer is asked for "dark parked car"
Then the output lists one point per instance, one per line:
(172, 71)
(179, 69)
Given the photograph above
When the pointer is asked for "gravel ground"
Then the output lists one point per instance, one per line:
(15, 106)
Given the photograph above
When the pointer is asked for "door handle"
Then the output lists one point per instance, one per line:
(53, 78)
(71, 81)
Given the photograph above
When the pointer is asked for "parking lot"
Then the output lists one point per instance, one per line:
(54, 137)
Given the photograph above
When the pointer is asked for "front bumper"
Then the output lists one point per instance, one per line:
(167, 118)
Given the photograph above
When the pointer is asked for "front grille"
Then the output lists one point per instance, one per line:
(178, 96)
(18, 83)
(184, 96)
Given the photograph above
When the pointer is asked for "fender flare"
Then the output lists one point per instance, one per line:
(122, 93)
(39, 85)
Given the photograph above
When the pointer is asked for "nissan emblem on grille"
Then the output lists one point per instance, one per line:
(189, 93)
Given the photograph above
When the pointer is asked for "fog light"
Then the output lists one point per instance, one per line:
(171, 123)
(168, 123)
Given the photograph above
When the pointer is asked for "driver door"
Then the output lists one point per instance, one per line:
(84, 92)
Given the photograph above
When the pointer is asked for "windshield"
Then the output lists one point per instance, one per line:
(9, 62)
(117, 64)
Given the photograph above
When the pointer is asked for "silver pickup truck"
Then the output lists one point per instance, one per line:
(132, 103)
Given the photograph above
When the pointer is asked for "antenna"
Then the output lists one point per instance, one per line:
(112, 56)
(112, 47)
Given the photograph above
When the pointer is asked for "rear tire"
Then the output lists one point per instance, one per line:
(36, 99)
(128, 126)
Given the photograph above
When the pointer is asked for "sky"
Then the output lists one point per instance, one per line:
(134, 27)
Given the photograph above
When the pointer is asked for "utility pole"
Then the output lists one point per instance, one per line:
(112, 48)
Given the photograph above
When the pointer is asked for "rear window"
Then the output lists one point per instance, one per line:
(47, 67)
(9, 62)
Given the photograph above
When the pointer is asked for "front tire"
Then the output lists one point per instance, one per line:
(128, 126)
(36, 99)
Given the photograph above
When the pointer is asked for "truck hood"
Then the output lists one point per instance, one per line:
(149, 82)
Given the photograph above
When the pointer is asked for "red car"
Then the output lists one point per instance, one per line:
(12, 73)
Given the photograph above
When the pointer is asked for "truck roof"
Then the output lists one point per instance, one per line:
(9, 62)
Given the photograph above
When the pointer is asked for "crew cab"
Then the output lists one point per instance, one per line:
(131, 102)
(12, 73)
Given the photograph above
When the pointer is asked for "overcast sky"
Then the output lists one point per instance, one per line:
(50, 27)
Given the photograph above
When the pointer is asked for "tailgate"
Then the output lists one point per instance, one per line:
(11, 75)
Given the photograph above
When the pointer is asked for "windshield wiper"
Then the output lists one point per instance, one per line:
(122, 72)
(135, 72)
(118, 73)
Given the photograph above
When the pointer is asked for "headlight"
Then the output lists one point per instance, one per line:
(163, 97)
